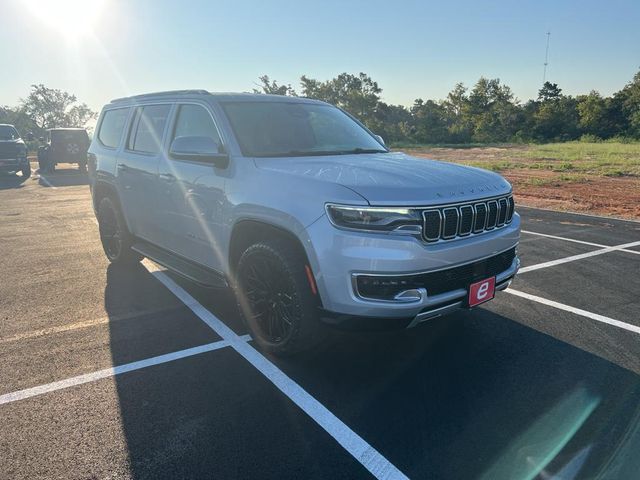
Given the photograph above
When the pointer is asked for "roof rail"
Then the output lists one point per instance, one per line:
(161, 94)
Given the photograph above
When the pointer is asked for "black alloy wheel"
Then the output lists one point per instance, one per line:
(116, 239)
(276, 299)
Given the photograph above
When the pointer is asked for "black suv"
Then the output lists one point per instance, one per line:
(64, 145)
(13, 152)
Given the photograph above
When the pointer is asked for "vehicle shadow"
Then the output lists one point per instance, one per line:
(63, 178)
(473, 395)
(8, 181)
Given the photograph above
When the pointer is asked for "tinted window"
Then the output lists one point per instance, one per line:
(268, 129)
(194, 120)
(111, 127)
(7, 132)
(148, 128)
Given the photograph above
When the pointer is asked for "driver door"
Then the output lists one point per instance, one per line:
(191, 194)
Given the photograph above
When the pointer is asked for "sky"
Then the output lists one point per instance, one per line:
(103, 49)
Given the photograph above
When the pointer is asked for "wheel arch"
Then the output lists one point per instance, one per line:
(247, 232)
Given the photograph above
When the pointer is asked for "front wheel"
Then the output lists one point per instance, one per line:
(114, 235)
(275, 298)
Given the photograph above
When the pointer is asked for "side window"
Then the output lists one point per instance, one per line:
(195, 120)
(146, 135)
(111, 127)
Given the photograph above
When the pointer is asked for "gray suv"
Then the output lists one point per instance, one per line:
(300, 209)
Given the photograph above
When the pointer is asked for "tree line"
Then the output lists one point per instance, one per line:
(46, 108)
(488, 112)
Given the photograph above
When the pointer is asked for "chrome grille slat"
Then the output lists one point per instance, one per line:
(451, 221)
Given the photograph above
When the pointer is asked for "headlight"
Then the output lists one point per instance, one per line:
(376, 219)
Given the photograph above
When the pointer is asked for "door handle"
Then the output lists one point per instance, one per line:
(167, 177)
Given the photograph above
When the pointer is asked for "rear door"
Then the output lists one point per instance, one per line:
(191, 194)
(137, 168)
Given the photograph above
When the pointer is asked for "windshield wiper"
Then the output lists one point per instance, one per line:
(313, 153)
(365, 150)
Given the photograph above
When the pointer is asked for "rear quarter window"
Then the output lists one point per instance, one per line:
(112, 126)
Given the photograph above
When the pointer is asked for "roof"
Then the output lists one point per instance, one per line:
(217, 96)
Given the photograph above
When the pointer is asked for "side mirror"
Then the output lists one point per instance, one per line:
(199, 149)
(381, 140)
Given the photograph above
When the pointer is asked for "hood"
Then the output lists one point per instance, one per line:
(394, 178)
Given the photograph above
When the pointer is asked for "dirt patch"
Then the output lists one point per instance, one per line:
(564, 190)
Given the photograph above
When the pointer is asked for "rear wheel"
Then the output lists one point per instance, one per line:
(276, 298)
(114, 235)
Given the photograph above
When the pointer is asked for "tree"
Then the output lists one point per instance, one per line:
(430, 122)
(457, 118)
(50, 108)
(628, 100)
(358, 94)
(549, 92)
(271, 86)
(555, 116)
(593, 114)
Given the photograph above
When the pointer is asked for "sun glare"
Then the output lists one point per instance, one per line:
(72, 18)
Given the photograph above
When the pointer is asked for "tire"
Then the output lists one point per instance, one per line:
(275, 298)
(114, 235)
(42, 160)
(26, 171)
(82, 166)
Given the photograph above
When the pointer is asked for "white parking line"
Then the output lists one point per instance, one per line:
(555, 237)
(577, 311)
(573, 258)
(111, 372)
(364, 453)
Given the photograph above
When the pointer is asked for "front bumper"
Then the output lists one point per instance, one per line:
(13, 164)
(339, 255)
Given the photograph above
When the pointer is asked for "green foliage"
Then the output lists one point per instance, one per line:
(50, 108)
(486, 113)
(271, 87)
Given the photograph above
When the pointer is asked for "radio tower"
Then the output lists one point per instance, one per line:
(546, 59)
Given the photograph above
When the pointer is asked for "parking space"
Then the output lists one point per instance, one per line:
(474, 395)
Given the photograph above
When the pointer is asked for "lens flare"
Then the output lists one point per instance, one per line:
(71, 18)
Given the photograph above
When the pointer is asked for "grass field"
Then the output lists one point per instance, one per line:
(602, 178)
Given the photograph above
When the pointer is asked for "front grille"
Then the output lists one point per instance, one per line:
(441, 281)
(8, 150)
(449, 222)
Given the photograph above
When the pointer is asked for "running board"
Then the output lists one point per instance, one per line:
(181, 266)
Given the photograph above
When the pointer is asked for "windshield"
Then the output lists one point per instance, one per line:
(286, 129)
(69, 136)
(7, 132)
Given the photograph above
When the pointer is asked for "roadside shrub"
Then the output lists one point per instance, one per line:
(590, 138)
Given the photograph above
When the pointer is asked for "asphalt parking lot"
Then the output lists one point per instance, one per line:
(134, 373)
